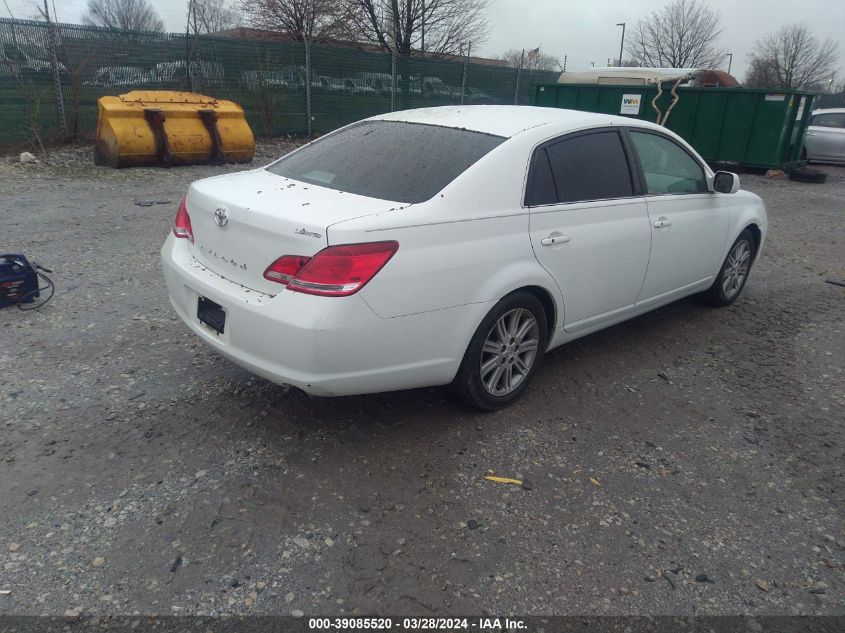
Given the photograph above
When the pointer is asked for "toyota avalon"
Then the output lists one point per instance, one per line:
(453, 246)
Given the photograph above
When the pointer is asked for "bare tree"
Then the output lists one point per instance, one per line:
(128, 15)
(625, 63)
(211, 16)
(448, 26)
(794, 58)
(538, 61)
(761, 74)
(304, 19)
(682, 34)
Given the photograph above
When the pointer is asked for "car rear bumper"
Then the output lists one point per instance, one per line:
(326, 346)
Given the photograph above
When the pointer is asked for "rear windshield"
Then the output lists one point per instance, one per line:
(391, 160)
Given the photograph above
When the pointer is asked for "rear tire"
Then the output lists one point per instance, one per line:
(731, 279)
(504, 354)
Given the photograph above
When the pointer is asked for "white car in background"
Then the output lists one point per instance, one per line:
(260, 80)
(452, 245)
(825, 137)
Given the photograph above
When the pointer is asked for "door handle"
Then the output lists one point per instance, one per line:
(662, 223)
(554, 239)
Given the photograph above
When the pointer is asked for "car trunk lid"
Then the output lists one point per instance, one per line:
(243, 222)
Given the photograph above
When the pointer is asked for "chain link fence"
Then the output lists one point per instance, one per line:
(284, 88)
(836, 100)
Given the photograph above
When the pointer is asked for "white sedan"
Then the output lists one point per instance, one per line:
(825, 137)
(453, 246)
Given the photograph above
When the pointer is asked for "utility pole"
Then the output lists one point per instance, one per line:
(622, 43)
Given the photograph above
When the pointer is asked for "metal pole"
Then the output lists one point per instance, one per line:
(466, 68)
(730, 61)
(57, 77)
(622, 43)
(422, 55)
(518, 73)
(393, 78)
(188, 47)
(308, 112)
(422, 44)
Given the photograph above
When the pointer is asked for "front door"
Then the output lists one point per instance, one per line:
(688, 226)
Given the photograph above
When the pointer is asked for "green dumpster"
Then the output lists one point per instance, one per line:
(745, 126)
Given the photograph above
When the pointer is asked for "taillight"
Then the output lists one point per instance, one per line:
(336, 271)
(283, 269)
(182, 223)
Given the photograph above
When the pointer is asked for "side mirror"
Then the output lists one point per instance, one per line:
(725, 182)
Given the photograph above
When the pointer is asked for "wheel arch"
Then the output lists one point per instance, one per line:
(547, 301)
(757, 234)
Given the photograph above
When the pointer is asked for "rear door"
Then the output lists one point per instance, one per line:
(688, 226)
(589, 224)
(825, 138)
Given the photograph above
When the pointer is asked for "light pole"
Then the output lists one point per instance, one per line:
(730, 57)
(622, 43)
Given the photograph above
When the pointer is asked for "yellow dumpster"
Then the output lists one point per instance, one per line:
(160, 127)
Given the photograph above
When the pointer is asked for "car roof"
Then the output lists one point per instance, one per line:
(508, 121)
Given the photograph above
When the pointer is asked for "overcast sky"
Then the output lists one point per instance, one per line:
(584, 30)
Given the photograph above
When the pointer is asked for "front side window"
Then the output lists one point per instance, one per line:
(831, 119)
(667, 167)
(390, 160)
(578, 169)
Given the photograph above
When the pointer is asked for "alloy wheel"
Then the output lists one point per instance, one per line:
(736, 269)
(509, 351)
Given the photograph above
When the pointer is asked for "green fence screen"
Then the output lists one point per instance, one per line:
(267, 78)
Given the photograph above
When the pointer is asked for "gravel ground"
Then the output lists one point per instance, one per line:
(687, 462)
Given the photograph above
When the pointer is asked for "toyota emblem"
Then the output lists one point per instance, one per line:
(221, 217)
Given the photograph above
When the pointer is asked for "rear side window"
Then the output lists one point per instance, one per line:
(541, 184)
(586, 167)
(391, 160)
(667, 167)
(831, 119)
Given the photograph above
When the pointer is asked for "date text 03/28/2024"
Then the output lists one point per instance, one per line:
(416, 624)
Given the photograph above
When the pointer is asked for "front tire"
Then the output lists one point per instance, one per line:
(731, 279)
(504, 354)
